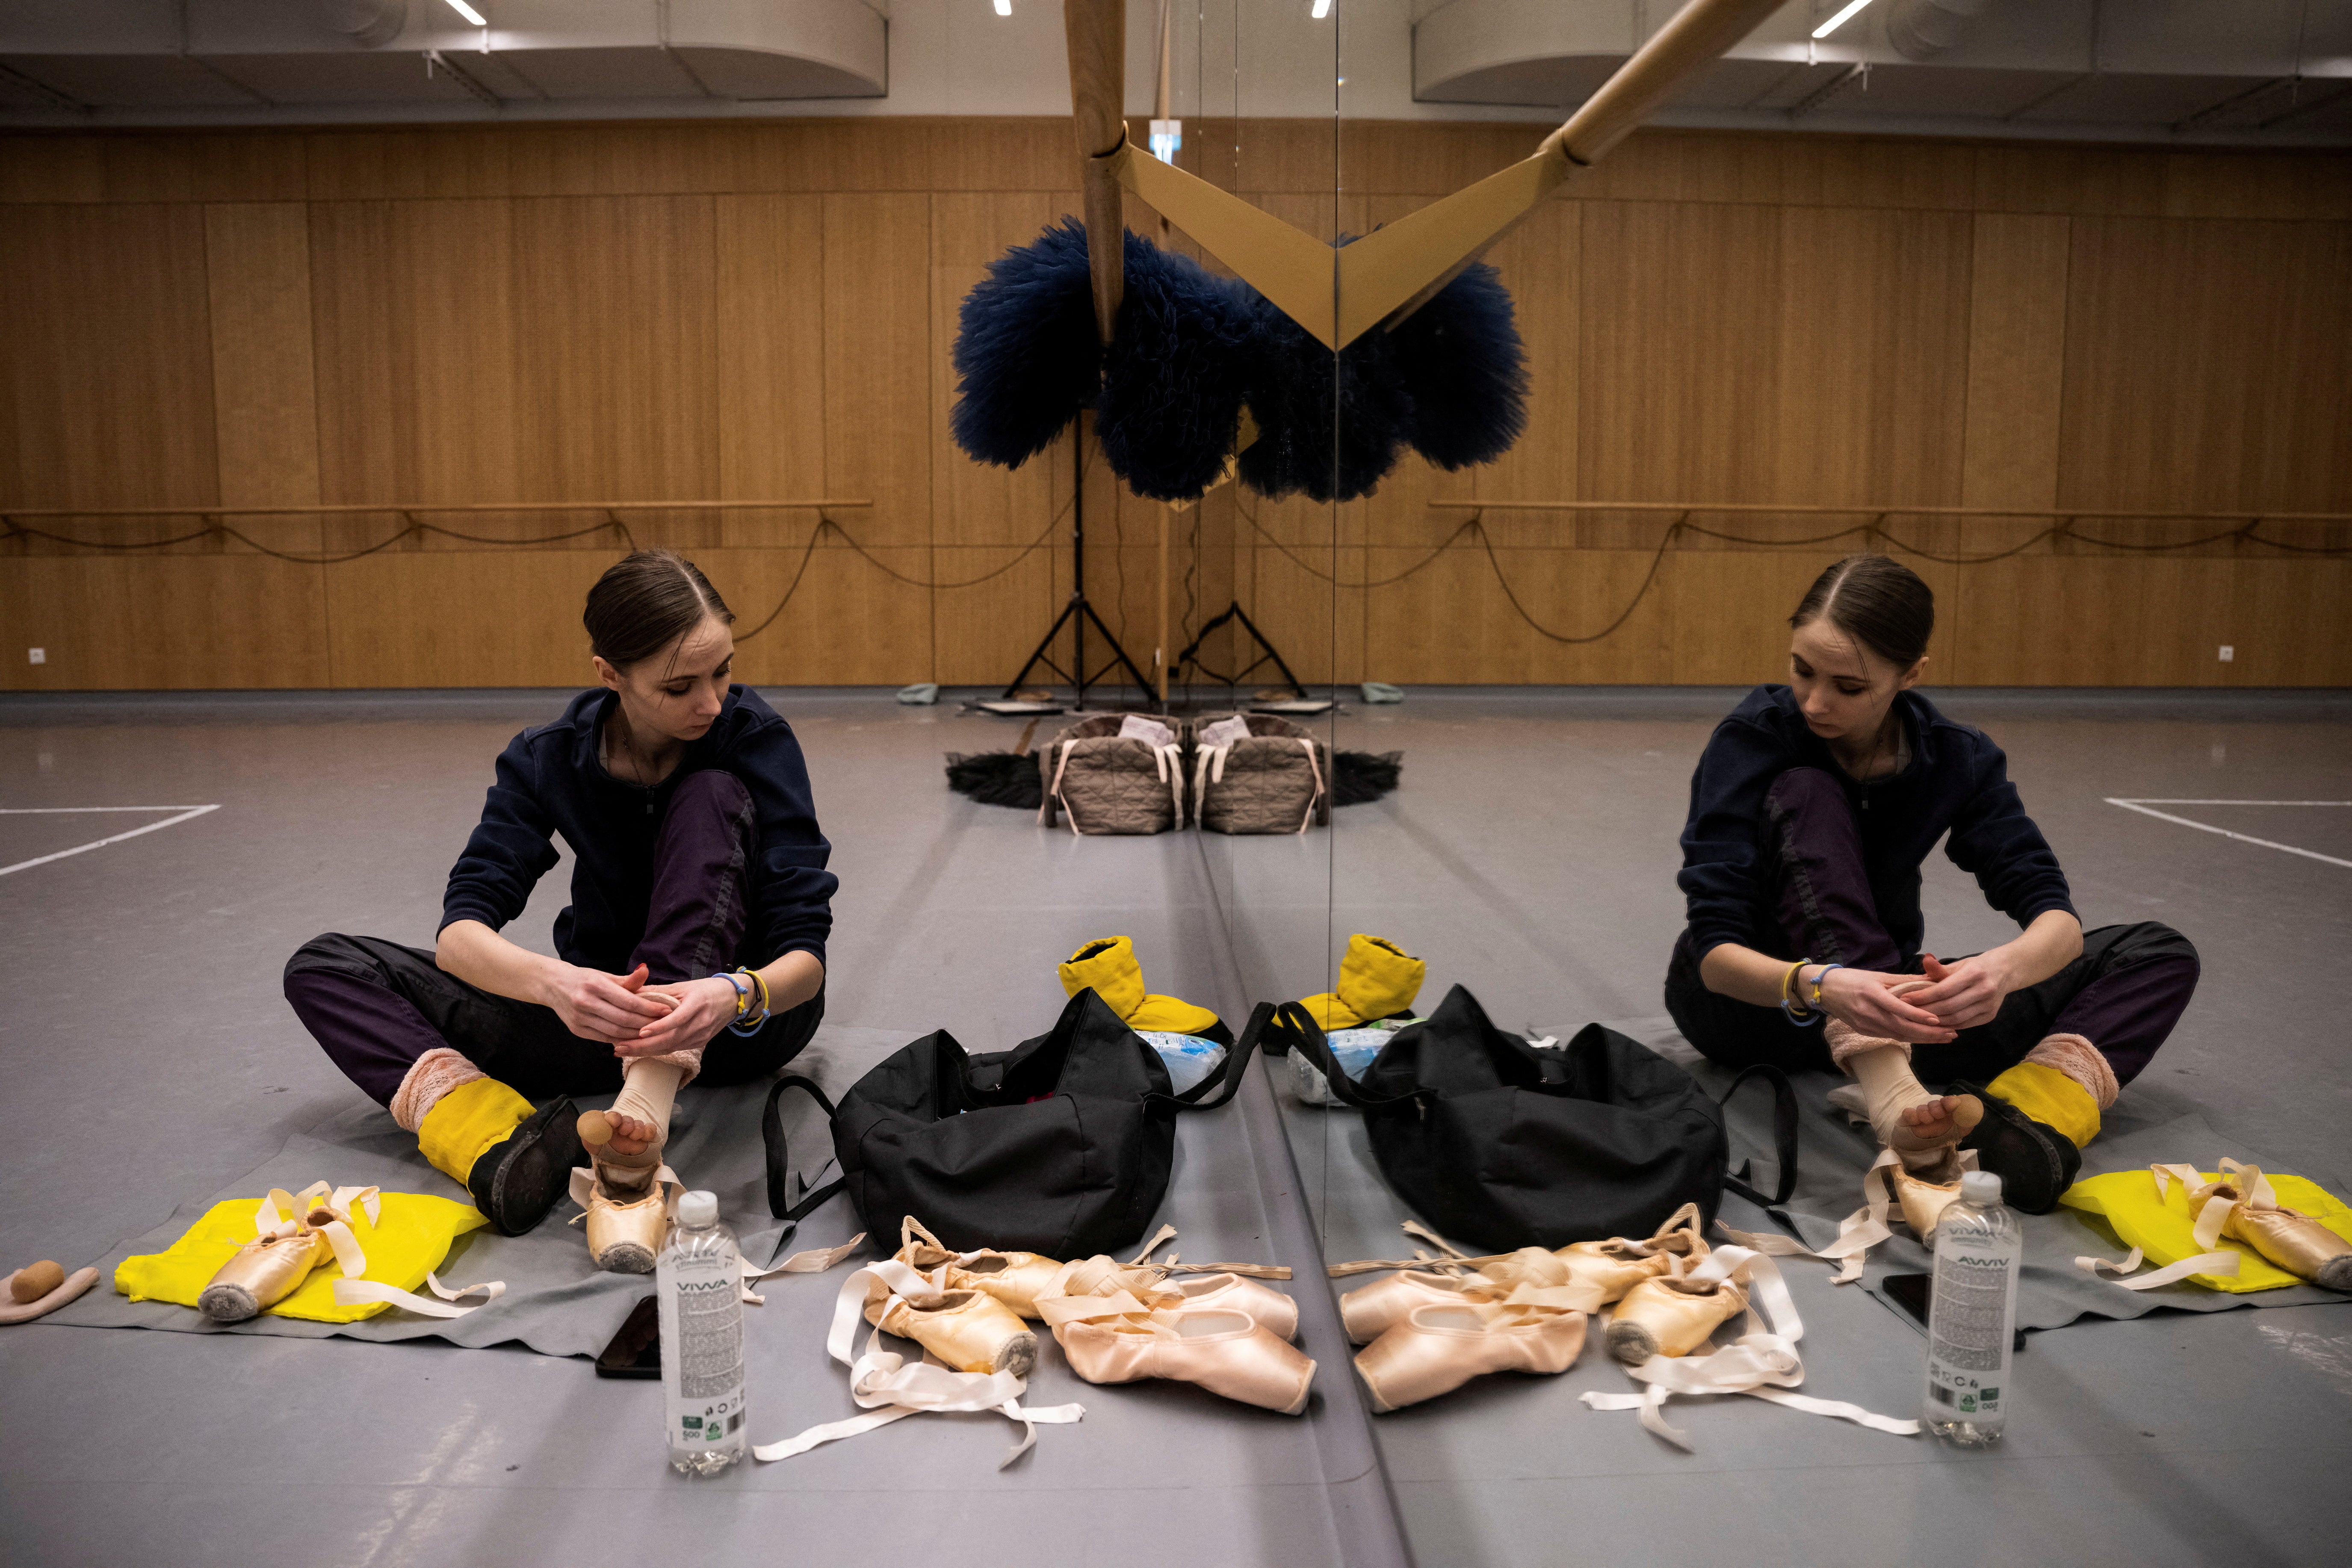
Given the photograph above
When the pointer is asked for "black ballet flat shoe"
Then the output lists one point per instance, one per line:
(2034, 1160)
(516, 1181)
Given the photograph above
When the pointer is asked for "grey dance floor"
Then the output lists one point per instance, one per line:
(1529, 854)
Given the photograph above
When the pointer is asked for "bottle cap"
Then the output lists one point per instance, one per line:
(702, 1208)
(1981, 1188)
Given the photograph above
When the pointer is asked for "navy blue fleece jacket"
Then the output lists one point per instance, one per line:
(1957, 782)
(551, 781)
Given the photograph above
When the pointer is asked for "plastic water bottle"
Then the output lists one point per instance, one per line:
(698, 1284)
(1972, 1315)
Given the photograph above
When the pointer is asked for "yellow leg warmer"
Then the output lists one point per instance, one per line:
(469, 1121)
(1109, 966)
(1377, 980)
(2051, 1098)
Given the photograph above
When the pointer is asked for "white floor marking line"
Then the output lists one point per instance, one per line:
(2241, 838)
(2159, 800)
(186, 812)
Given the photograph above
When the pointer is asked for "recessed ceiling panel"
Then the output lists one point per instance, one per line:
(130, 81)
(644, 72)
(755, 74)
(352, 77)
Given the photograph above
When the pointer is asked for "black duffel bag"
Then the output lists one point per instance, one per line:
(1061, 1145)
(1502, 1144)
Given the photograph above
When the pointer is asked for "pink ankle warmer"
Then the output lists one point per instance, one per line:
(2080, 1060)
(430, 1076)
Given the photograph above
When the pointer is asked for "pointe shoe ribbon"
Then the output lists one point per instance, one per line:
(891, 1389)
(1762, 1363)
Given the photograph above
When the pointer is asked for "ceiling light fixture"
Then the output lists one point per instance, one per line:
(1823, 31)
(1322, 9)
(467, 12)
(1004, 8)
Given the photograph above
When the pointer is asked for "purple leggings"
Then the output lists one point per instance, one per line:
(376, 1007)
(2124, 994)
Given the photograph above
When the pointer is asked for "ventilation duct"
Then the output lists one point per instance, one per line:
(1922, 29)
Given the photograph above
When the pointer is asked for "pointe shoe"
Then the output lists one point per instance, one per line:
(262, 1273)
(1437, 1349)
(968, 1330)
(2293, 1240)
(1923, 1200)
(1600, 1273)
(1271, 1310)
(626, 1226)
(1374, 1310)
(1228, 1353)
(1670, 1317)
(1015, 1279)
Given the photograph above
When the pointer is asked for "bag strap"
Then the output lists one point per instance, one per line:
(1220, 1085)
(1306, 1038)
(1784, 1136)
(780, 1167)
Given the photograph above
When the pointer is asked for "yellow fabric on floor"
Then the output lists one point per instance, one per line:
(466, 1123)
(2162, 1228)
(411, 1235)
(2050, 1098)
(1110, 966)
(1378, 979)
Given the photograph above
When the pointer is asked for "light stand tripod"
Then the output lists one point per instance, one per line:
(1078, 612)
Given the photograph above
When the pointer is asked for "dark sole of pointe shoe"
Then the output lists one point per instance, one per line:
(516, 1181)
(227, 1303)
(2336, 1274)
(2035, 1163)
(627, 1259)
(1632, 1343)
(1019, 1355)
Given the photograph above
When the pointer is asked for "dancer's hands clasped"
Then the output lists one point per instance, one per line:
(609, 1007)
(699, 1010)
(1963, 994)
(1865, 1000)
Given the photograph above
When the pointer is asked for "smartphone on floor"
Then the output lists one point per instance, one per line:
(636, 1351)
(1909, 1292)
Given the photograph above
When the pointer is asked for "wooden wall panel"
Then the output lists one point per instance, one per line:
(771, 313)
(2209, 364)
(756, 310)
(265, 402)
(2017, 360)
(414, 311)
(106, 396)
(1680, 318)
(616, 336)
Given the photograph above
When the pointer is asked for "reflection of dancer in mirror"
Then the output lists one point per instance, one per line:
(1812, 810)
(694, 943)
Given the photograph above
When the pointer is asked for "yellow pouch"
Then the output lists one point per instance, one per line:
(2163, 1228)
(407, 1240)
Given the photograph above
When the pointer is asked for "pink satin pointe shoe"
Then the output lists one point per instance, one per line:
(2287, 1237)
(1438, 1347)
(1924, 1195)
(626, 1224)
(1670, 1316)
(967, 1331)
(262, 1273)
(1015, 1279)
(1275, 1312)
(1379, 1307)
(1600, 1273)
(1225, 1351)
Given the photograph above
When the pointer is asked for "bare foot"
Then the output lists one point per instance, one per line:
(629, 1135)
(1937, 1121)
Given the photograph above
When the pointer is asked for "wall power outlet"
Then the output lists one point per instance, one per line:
(2228, 654)
(36, 655)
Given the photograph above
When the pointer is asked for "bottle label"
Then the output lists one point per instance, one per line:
(1969, 1328)
(708, 1404)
